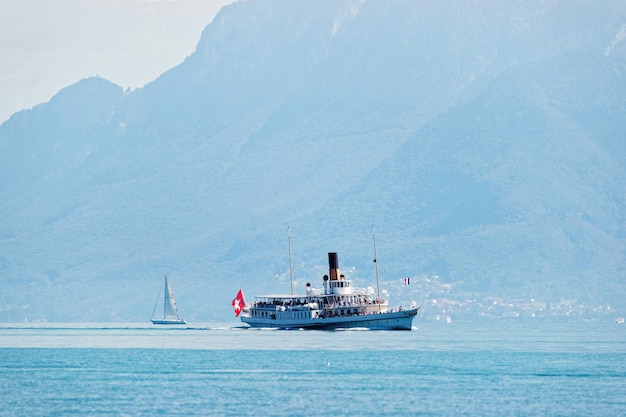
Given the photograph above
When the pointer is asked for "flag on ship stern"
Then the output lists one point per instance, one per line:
(238, 303)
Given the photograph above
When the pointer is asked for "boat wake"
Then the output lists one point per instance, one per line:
(352, 329)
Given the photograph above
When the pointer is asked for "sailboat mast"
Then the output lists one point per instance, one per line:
(166, 296)
(290, 267)
(376, 263)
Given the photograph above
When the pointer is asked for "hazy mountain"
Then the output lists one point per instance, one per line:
(485, 142)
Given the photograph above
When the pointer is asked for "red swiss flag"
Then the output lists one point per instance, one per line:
(238, 303)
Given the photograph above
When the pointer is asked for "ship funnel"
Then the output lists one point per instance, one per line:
(333, 266)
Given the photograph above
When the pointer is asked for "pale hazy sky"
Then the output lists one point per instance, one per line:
(47, 45)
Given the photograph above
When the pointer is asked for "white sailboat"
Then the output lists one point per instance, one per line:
(170, 311)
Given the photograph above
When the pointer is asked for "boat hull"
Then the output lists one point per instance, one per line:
(397, 320)
(165, 321)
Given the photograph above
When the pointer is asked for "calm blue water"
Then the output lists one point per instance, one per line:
(553, 370)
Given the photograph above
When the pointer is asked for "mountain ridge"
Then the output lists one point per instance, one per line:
(482, 142)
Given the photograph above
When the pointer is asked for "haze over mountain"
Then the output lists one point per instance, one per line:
(485, 141)
(130, 42)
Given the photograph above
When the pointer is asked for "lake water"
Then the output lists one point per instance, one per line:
(219, 370)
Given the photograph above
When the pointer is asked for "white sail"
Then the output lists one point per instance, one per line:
(169, 303)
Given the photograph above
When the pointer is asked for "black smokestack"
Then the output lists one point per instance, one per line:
(333, 266)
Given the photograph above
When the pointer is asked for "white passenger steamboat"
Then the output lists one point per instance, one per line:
(337, 305)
